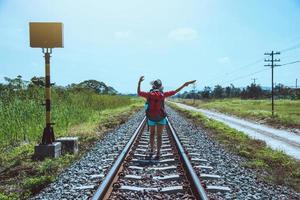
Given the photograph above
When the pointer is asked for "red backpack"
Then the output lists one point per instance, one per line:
(156, 108)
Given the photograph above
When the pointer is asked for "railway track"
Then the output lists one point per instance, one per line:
(106, 165)
(134, 175)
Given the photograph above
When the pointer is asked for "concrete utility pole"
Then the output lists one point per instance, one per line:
(272, 65)
(194, 92)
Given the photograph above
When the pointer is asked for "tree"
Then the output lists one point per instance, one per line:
(2, 90)
(218, 92)
(235, 92)
(37, 81)
(111, 90)
(16, 83)
(2, 87)
(227, 92)
(253, 92)
(94, 86)
(206, 92)
(282, 91)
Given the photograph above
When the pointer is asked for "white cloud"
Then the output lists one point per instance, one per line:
(224, 60)
(122, 34)
(183, 34)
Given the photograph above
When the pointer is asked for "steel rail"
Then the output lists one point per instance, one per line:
(102, 189)
(197, 188)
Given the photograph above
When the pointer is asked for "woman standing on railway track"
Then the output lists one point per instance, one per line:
(155, 110)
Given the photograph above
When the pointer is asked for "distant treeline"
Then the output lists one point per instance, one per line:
(252, 91)
(18, 84)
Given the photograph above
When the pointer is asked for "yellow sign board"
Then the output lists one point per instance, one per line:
(46, 35)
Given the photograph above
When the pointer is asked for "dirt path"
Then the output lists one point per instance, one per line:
(287, 141)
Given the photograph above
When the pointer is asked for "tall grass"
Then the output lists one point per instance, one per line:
(22, 116)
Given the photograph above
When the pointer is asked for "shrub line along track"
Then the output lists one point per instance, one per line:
(187, 183)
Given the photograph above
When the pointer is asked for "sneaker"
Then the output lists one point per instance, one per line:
(156, 157)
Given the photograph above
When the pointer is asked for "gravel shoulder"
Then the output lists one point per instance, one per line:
(244, 183)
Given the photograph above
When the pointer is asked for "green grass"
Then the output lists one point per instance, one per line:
(84, 114)
(281, 168)
(287, 112)
(7, 197)
(22, 117)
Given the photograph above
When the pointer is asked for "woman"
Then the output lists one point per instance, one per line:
(155, 111)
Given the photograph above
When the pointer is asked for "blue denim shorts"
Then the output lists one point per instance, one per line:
(161, 122)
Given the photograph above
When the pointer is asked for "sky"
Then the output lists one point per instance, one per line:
(212, 41)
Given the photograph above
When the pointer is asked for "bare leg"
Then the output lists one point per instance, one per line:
(152, 133)
(160, 129)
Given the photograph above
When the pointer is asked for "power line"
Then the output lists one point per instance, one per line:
(290, 48)
(242, 67)
(261, 59)
(244, 76)
(290, 63)
(253, 63)
(256, 72)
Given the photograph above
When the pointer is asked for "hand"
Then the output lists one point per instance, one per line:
(141, 79)
(189, 82)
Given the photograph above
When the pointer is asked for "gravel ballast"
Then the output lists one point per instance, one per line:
(243, 182)
(81, 179)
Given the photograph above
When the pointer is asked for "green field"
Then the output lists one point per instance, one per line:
(287, 112)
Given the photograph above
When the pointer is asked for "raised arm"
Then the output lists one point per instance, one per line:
(139, 85)
(184, 85)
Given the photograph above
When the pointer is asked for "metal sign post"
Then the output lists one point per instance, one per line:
(47, 36)
(48, 135)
